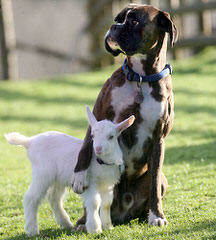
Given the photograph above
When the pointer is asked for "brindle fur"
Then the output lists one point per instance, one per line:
(147, 184)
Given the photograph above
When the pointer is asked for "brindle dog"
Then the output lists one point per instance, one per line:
(141, 33)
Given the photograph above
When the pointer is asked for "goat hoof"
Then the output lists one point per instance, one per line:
(108, 227)
(32, 232)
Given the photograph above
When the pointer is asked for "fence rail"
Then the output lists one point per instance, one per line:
(199, 7)
(198, 41)
(177, 8)
(100, 14)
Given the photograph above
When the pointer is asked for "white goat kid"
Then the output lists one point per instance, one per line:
(53, 157)
(105, 171)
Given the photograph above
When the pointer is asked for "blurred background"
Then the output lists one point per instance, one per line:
(41, 38)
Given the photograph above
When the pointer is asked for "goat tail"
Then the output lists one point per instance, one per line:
(16, 138)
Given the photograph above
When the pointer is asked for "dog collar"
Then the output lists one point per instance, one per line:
(133, 76)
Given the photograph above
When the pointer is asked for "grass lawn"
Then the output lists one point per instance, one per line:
(31, 107)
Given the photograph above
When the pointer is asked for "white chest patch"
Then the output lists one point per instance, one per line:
(150, 110)
(122, 97)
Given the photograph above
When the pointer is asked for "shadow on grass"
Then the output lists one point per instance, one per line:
(195, 93)
(191, 70)
(194, 133)
(80, 123)
(47, 234)
(16, 96)
(198, 68)
(196, 109)
(175, 233)
(76, 82)
(190, 230)
(197, 227)
(202, 153)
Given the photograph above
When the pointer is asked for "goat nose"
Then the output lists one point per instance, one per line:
(98, 149)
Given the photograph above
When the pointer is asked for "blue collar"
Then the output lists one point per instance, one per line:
(133, 76)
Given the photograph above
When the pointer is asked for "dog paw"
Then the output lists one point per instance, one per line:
(108, 226)
(154, 220)
(80, 181)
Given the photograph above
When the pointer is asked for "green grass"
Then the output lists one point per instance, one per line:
(31, 107)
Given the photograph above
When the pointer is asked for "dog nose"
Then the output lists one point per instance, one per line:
(98, 149)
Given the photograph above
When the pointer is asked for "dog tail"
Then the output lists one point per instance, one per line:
(16, 138)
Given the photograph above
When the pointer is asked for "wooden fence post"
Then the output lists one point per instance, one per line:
(3, 50)
(205, 21)
(8, 42)
(177, 53)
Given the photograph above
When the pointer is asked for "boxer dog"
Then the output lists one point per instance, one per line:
(141, 87)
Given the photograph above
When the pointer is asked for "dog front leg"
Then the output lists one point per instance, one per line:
(156, 215)
(80, 177)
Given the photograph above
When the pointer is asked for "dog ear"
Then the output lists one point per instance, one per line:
(167, 25)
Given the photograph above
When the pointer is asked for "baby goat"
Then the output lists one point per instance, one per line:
(53, 157)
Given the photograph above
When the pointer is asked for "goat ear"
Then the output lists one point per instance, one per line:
(91, 118)
(167, 25)
(125, 124)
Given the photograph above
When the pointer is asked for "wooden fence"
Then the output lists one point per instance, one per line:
(100, 15)
(8, 41)
(205, 35)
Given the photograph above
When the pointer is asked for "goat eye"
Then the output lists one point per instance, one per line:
(111, 137)
(134, 22)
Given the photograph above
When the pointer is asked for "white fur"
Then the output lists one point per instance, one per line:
(155, 220)
(137, 65)
(53, 157)
(103, 177)
(151, 110)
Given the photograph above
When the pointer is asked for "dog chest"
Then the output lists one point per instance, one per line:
(150, 112)
(150, 109)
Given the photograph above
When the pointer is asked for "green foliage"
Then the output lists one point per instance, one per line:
(58, 104)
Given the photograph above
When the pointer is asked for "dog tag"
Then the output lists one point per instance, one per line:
(139, 97)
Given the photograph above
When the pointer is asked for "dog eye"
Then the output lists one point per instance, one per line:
(110, 137)
(92, 135)
(134, 22)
